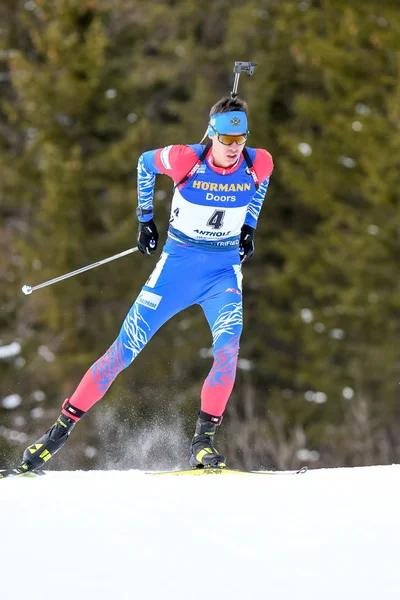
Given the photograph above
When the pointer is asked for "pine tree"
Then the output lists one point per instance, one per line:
(89, 86)
(324, 295)
(93, 89)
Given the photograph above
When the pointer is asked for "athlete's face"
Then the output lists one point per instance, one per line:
(225, 156)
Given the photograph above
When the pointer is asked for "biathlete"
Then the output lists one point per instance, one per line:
(219, 191)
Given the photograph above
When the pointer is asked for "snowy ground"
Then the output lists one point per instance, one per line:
(328, 534)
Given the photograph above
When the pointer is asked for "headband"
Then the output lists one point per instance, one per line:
(230, 123)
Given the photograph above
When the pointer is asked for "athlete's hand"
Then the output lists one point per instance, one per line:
(246, 244)
(147, 237)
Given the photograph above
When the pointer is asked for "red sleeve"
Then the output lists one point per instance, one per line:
(263, 164)
(175, 161)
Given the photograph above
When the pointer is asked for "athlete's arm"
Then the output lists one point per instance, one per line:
(175, 161)
(263, 166)
(254, 208)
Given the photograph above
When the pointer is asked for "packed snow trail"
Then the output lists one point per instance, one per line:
(122, 535)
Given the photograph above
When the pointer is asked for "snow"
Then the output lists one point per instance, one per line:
(11, 401)
(305, 149)
(328, 534)
(10, 350)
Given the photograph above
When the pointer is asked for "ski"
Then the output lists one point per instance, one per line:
(23, 472)
(20, 471)
(225, 471)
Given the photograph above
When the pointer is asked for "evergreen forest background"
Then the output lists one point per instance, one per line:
(85, 87)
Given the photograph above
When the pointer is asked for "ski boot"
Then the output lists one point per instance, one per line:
(36, 455)
(203, 453)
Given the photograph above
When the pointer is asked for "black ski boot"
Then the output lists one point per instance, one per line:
(36, 455)
(204, 454)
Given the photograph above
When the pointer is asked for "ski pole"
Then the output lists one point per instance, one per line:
(240, 66)
(27, 289)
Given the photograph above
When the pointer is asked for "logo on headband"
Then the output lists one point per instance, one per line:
(235, 121)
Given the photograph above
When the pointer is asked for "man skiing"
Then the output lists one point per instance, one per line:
(219, 191)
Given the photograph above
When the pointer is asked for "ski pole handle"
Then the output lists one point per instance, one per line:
(27, 289)
(240, 67)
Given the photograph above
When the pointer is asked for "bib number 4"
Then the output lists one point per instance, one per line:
(217, 219)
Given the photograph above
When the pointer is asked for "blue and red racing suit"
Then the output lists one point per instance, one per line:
(199, 264)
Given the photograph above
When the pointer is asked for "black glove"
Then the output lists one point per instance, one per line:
(147, 237)
(246, 244)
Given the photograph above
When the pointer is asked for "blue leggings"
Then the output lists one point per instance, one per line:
(184, 275)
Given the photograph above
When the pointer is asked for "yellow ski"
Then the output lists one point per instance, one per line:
(224, 471)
